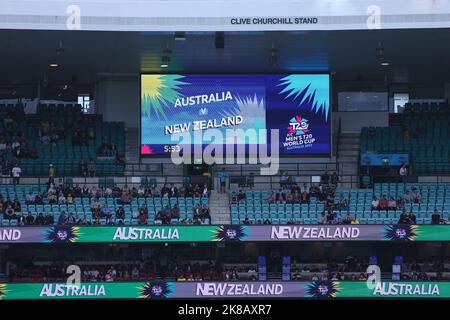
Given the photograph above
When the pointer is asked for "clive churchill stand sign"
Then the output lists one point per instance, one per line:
(228, 233)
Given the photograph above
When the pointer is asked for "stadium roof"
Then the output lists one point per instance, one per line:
(414, 56)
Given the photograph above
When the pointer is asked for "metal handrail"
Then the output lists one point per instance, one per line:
(259, 182)
(338, 142)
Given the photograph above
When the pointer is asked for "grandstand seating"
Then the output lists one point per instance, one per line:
(81, 208)
(64, 155)
(428, 147)
(256, 208)
(434, 196)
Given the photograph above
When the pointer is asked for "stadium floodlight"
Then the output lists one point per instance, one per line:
(219, 40)
(180, 36)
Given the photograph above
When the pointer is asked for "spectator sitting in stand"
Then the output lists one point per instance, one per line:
(407, 198)
(62, 219)
(173, 191)
(49, 220)
(175, 214)
(416, 197)
(30, 197)
(40, 220)
(205, 212)
(105, 212)
(404, 218)
(383, 203)
(375, 204)
(9, 213)
(412, 218)
(61, 199)
(16, 205)
(142, 218)
(120, 213)
(348, 219)
(29, 220)
(71, 219)
(392, 204)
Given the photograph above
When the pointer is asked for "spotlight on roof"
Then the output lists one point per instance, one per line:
(273, 59)
(180, 36)
(385, 63)
(167, 51)
(54, 65)
(219, 40)
(164, 65)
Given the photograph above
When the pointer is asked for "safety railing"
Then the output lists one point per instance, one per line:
(235, 180)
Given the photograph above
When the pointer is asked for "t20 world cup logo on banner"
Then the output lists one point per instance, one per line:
(156, 290)
(322, 289)
(298, 126)
(230, 233)
(401, 233)
(62, 234)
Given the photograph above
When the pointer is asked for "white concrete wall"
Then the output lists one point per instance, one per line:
(213, 15)
(354, 121)
(118, 100)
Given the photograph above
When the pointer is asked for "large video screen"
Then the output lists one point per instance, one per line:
(201, 105)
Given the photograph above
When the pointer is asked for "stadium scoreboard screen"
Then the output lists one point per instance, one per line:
(297, 106)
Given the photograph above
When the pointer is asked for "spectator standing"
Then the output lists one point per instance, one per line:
(16, 171)
(334, 178)
(403, 172)
(91, 168)
(51, 171)
(325, 178)
(223, 180)
(83, 168)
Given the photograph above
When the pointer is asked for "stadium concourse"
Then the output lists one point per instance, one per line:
(207, 150)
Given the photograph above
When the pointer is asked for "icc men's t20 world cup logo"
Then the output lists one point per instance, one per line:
(298, 126)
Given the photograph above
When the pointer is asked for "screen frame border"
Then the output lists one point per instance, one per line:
(282, 155)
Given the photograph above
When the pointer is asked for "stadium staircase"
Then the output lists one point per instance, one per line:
(348, 159)
(220, 208)
(386, 276)
(131, 148)
(273, 276)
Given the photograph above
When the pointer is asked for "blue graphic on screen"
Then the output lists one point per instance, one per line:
(297, 105)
